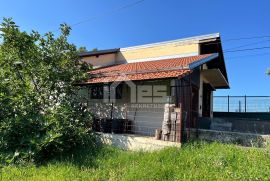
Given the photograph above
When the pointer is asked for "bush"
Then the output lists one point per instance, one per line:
(40, 115)
(36, 138)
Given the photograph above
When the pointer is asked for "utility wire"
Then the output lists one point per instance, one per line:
(109, 12)
(104, 14)
(247, 49)
(249, 55)
(245, 45)
(247, 38)
(249, 44)
(230, 50)
(239, 39)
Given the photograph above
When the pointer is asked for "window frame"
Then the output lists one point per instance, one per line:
(98, 90)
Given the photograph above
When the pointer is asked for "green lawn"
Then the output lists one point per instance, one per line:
(194, 161)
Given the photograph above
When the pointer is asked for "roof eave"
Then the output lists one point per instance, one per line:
(99, 52)
(202, 61)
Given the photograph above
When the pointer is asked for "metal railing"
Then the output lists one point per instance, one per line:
(241, 104)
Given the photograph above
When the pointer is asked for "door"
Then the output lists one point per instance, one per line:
(206, 106)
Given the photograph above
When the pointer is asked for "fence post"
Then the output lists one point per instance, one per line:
(228, 103)
(112, 110)
(245, 103)
(239, 106)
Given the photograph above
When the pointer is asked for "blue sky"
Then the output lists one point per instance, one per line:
(109, 26)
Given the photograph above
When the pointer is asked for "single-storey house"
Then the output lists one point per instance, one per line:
(155, 89)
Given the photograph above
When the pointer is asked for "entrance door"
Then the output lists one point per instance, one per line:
(206, 106)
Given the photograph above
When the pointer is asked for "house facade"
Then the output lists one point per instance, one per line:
(160, 87)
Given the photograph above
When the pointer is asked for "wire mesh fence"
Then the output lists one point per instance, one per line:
(241, 104)
(139, 119)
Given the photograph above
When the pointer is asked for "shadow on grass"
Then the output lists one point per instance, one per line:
(84, 156)
(94, 153)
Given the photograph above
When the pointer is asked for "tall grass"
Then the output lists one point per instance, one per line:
(194, 161)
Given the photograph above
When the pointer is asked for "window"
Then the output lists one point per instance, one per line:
(97, 92)
(118, 91)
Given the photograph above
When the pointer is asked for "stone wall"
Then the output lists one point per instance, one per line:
(244, 139)
(242, 125)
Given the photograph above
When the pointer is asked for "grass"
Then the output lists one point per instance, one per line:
(194, 161)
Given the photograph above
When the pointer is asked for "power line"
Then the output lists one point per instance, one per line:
(247, 38)
(247, 49)
(242, 38)
(250, 55)
(245, 45)
(109, 12)
(230, 50)
(103, 14)
(249, 44)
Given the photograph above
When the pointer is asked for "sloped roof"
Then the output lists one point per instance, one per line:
(139, 76)
(158, 69)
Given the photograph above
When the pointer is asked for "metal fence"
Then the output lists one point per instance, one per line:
(241, 103)
(141, 119)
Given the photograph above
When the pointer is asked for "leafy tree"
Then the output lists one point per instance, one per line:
(40, 115)
(82, 50)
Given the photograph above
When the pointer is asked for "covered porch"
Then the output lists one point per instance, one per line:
(162, 99)
(155, 113)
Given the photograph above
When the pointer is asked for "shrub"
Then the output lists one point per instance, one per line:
(40, 115)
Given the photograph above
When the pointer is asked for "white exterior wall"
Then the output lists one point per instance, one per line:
(146, 116)
(200, 104)
(203, 80)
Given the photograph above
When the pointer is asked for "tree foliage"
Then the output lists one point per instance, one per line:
(40, 115)
(82, 49)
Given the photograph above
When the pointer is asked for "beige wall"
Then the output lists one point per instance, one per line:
(101, 60)
(143, 53)
(130, 54)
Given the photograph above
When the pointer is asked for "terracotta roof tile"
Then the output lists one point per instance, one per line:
(158, 69)
(139, 76)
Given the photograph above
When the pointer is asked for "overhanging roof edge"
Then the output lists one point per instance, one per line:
(202, 61)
